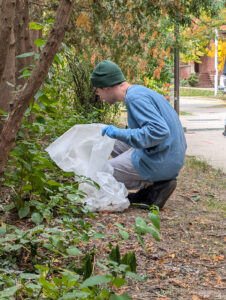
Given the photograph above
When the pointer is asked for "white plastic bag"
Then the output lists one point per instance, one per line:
(84, 151)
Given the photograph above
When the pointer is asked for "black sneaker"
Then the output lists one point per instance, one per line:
(139, 196)
(156, 194)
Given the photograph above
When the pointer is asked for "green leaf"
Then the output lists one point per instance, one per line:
(53, 183)
(123, 296)
(27, 188)
(49, 288)
(29, 276)
(44, 99)
(118, 282)
(24, 75)
(154, 233)
(50, 21)
(24, 211)
(2, 230)
(43, 270)
(155, 219)
(38, 94)
(8, 292)
(87, 266)
(35, 26)
(115, 254)
(124, 234)
(10, 84)
(70, 276)
(27, 54)
(95, 280)
(197, 198)
(75, 295)
(141, 225)
(73, 251)
(58, 59)
(98, 235)
(40, 120)
(9, 206)
(15, 247)
(39, 42)
(36, 218)
(135, 276)
(118, 225)
(2, 112)
(33, 286)
(141, 240)
(130, 260)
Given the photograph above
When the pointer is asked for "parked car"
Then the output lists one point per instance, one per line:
(222, 86)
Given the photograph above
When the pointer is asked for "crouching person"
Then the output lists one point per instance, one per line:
(149, 154)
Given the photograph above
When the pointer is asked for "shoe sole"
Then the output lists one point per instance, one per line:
(142, 205)
(160, 203)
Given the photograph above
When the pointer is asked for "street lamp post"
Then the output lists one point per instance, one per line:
(176, 71)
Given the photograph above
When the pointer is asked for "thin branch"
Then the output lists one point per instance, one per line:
(39, 4)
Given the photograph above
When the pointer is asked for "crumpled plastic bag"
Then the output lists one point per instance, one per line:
(83, 150)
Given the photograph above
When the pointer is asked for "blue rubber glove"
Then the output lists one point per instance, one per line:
(111, 131)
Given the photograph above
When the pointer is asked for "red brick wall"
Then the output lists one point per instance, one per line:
(186, 70)
(207, 65)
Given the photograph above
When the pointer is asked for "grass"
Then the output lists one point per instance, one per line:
(198, 164)
(209, 182)
(184, 113)
(194, 92)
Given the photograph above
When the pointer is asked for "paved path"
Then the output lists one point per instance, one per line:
(204, 128)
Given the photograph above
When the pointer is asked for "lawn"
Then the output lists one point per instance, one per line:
(195, 92)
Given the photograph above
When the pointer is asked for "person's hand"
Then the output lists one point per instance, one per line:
(110, 131)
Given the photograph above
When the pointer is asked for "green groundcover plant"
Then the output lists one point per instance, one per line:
(48, 258)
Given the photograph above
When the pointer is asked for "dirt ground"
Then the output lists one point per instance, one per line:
(189, 261)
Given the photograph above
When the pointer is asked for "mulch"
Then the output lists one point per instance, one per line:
(189, 261)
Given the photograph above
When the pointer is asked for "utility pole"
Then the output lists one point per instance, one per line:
(176, 71)
(216, 64)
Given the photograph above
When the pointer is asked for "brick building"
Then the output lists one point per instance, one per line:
(205, 70)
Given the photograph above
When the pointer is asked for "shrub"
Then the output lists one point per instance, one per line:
(193, 79)
(184, 82)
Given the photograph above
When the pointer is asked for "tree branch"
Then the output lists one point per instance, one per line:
(39, 4)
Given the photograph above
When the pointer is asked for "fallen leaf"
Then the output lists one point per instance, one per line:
(218, 257)
(195, 297)
(204, 257)
(172, 255)
(178, 282)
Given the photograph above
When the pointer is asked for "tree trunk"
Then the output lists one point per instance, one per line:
(6, 24)
(23, 40)
(7, 55)
(35, 14)
(24, 96)
(7, 92)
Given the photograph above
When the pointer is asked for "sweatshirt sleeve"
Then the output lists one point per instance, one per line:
(152, 128)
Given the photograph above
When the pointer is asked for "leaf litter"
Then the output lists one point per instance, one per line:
(189, 261)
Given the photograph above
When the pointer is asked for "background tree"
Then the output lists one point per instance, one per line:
(138, 35)
(196, 39)
(28, 91)
(7, 52)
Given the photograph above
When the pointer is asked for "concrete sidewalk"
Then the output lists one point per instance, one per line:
(204, 129)
(209, 146)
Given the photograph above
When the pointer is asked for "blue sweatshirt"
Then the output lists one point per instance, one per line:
(156, 134)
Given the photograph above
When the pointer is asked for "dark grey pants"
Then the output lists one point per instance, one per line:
(124, 170)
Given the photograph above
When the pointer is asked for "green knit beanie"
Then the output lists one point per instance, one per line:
(106, 74)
